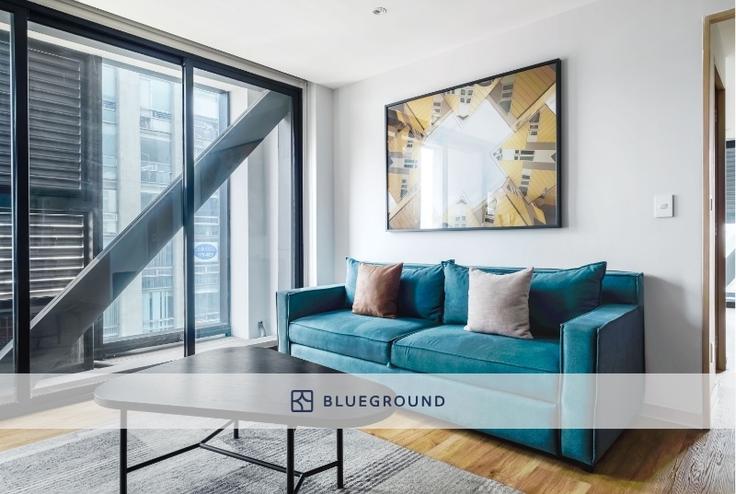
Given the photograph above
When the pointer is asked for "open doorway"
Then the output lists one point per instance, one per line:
(719, 222)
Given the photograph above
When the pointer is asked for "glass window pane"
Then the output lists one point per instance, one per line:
(7, 355)
(161, 96)
(101, 158)
(211, 118)
(156, 149)
(250, 213)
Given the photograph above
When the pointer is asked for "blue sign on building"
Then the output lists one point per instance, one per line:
(205, 251)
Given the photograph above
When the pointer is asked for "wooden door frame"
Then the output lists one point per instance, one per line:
(719, 353)
(709, 228)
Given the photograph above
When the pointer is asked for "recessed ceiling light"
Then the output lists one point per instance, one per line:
(380, 11)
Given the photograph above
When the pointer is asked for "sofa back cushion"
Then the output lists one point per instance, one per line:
(421, 292)
(421, 289)
(556, 295)
(456, 293)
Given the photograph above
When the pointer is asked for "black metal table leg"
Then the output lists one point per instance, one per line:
(123, 452)
(236, 431)
(294, 478)
(340, 481)
(289, 461)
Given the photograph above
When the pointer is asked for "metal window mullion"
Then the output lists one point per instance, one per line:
(188, 209)
(21, 196)
(297, 192)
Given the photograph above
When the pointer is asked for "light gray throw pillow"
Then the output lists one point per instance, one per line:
(499, 304)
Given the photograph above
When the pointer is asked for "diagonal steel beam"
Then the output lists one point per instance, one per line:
(65, 319)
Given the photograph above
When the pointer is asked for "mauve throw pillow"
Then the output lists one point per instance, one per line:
(499, 304)
(377, 290)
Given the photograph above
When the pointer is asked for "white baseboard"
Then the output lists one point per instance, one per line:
(659, 417)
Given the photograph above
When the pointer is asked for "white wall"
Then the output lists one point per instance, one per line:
(260, 227)
(632, 96)
(318, 178)
(239, 245)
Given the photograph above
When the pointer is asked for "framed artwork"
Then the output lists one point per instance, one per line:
(481, 155)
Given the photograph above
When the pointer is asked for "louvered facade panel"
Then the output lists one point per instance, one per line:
(55, 118)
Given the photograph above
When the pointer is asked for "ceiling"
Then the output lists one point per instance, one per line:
(334, 42)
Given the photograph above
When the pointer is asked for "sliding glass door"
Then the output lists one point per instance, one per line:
(163, 199)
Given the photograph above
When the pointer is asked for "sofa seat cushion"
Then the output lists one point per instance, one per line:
(449, 349)
(358, 336)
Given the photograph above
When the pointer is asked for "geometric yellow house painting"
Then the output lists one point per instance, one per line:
(481, 155)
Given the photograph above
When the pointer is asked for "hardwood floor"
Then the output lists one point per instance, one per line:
(651, 461)
(51, 423)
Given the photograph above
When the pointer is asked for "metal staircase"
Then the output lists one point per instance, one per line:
(66, 318)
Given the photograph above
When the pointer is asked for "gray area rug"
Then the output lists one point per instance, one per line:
(87, 462)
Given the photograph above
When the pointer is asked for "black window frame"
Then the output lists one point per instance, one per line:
(22, 13)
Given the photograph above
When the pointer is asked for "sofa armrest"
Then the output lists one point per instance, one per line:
(607, 339)
(293, 304)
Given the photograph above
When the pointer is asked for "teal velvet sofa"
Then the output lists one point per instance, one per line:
(585, 320)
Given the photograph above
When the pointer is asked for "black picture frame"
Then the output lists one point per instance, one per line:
(559, 156)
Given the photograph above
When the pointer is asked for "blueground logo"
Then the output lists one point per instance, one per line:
(302, 400)
(383, 401)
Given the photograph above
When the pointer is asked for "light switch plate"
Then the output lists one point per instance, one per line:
(663, 206)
